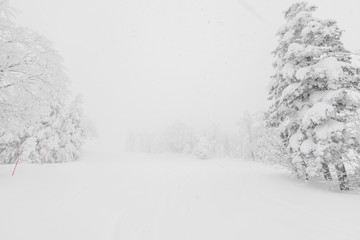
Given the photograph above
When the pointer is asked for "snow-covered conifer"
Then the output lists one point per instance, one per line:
(60, 135)
(311, 92)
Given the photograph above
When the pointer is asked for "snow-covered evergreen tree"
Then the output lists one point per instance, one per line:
(59, 136)
(74, 130)
(311, 93)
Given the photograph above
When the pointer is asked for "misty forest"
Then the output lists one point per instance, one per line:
(179, 119)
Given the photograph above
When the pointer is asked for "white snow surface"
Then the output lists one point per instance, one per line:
(142, 196)
(317, 113)
(329, 66)
(325, 96)
(289, 90)
(294, 49)
(295, 140)
(308, 146)
(324, 130)
(288, 70)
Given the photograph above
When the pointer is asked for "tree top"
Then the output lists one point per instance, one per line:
(295, 8)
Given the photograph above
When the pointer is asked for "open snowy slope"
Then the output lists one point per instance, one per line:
(138, 196)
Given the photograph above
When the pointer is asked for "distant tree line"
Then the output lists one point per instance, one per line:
(251, 139)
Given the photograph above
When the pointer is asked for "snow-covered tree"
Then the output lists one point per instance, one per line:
(74, 130)
(268, 146)
(10, 146)
(258, 142)
(179, 138)
(59, 136)
(246, 130)
(31, 76)
(33, 96)
(203, 148)
(311, 93)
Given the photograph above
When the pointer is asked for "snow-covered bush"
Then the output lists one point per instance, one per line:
(311, 92)
(258, 142)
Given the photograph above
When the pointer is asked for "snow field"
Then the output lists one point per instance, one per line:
(143, 196)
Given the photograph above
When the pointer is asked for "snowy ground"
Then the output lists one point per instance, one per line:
(139, 196)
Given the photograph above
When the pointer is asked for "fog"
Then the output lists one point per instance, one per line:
(142, 65)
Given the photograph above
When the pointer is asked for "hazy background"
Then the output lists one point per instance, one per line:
(142, 65)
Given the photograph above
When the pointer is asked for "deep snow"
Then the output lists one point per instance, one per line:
(142, 196)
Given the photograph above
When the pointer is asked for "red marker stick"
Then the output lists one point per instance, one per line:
(44, 160)
(17, 161)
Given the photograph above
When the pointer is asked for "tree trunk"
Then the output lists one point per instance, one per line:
(327, 174)
(342, 176)
(301, 172)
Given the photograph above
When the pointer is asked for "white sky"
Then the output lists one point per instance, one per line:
(144, 64)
